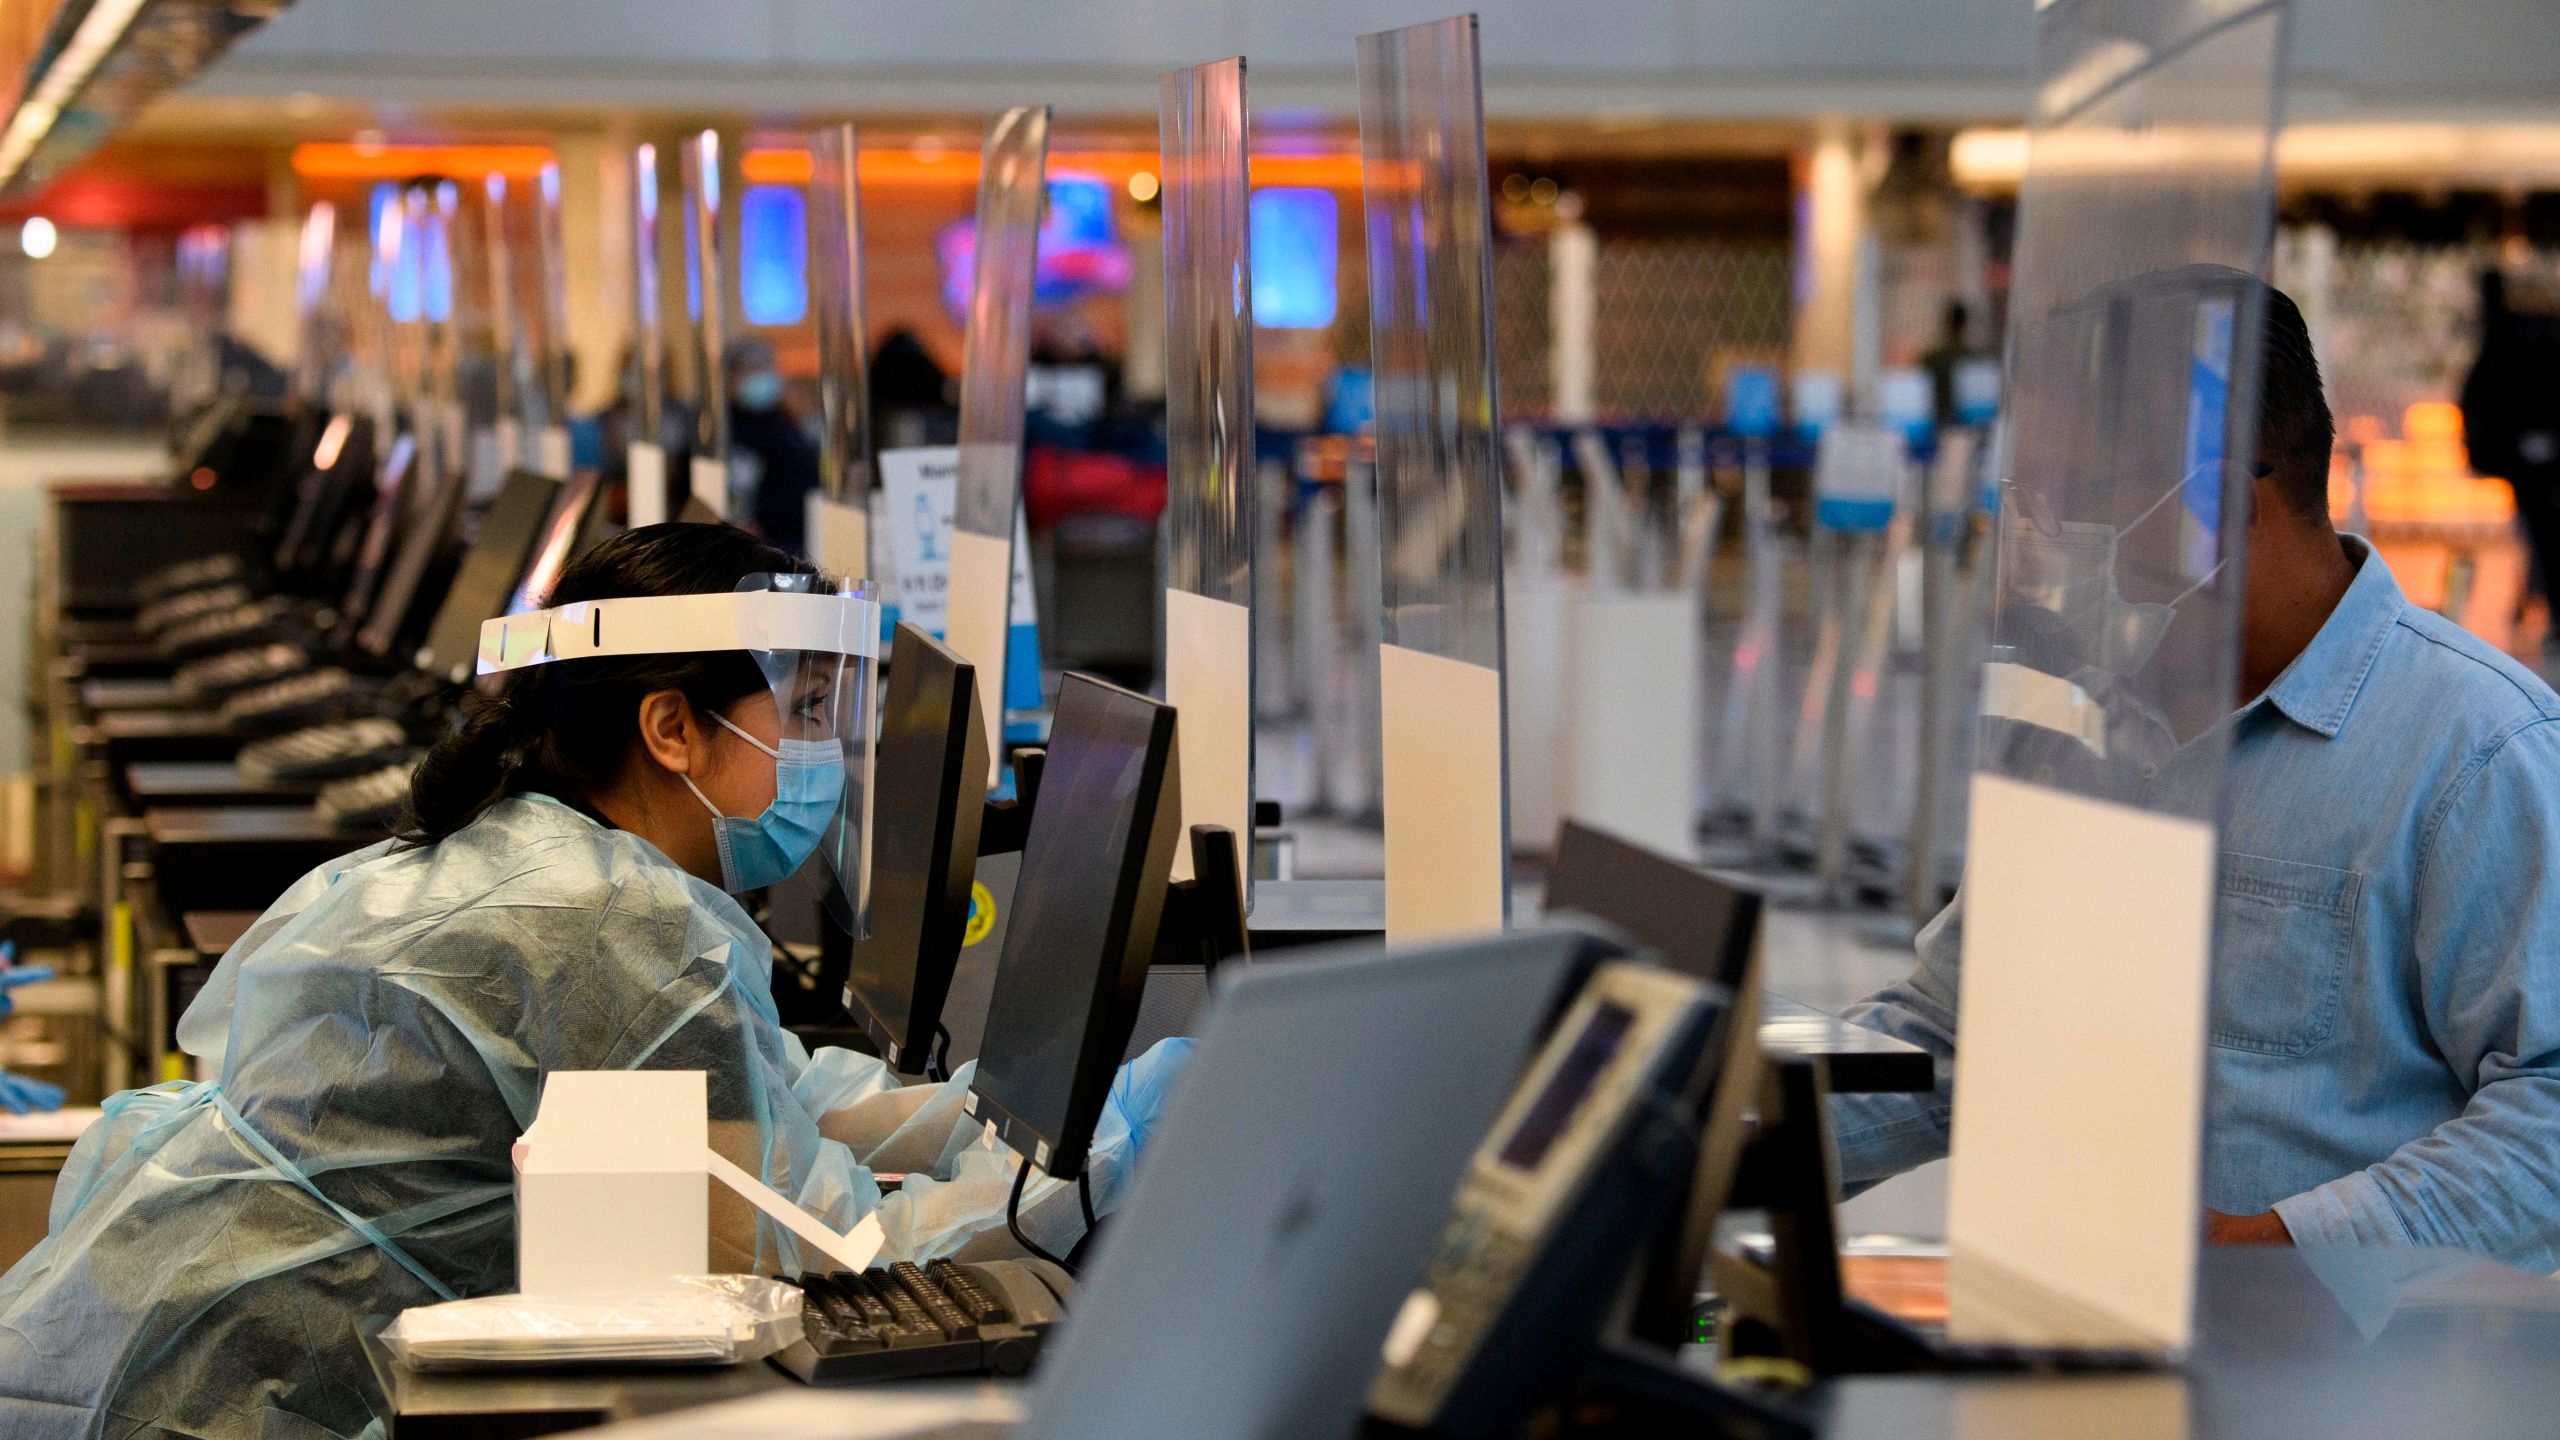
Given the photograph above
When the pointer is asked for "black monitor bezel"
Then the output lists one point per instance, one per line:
(958, 769)
(492, 568)
(1120, 974)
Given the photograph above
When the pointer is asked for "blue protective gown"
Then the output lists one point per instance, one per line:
(218, 1250)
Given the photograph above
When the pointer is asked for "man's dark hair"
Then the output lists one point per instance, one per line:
(2295, 431)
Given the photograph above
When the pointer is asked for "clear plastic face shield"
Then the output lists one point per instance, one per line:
(816, 641)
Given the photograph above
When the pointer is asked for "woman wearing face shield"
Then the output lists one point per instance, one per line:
(561, 899)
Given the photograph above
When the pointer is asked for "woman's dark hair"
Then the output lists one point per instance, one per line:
(567, 729)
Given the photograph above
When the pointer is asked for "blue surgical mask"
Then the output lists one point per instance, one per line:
(760, 389)
(808, 789)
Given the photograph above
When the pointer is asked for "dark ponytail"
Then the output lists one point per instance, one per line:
(567, 730)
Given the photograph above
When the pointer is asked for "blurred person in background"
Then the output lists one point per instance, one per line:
(775, 447)
(2511, 421)
(911, 398)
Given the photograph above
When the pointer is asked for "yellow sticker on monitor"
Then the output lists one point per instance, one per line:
(982, 914)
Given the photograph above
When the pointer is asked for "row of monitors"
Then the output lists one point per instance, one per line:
(373, 525)
(1086, 906)
(1095, 858)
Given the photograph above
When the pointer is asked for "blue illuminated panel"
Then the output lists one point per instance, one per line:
(1297, 248)
(773, 254)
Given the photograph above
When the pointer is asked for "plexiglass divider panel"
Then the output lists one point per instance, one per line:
(645, 461)
(509, 359)
(706, 300)
(316, 321)
(988, 493)
(551, 273)
(1439, 483)
(839, 514)
(1209, 498)
(2091, 870)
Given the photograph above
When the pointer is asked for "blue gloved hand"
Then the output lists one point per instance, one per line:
(20, 1095)
(1142, 1086)
(13, 975)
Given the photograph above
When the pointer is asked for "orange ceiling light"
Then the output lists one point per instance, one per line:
(333, 161)
(901, 166)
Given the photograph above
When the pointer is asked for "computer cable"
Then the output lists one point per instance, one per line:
(1084, 1197)
(937, 1063)
(1013, 1219)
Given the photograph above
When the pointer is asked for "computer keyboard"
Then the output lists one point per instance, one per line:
(193, 605)
(325, 752)
(371, 802)
(236, 670)
(172, 580)
(305, 699)
(230, 629)
(903, 1321)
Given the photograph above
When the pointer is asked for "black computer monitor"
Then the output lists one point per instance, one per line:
(492, 567)
(1698, 924)
(1707, 928)
(373, 551)
(559, 542)
(319, 496)
(925, 809)
(390, 620)
(1084, 919)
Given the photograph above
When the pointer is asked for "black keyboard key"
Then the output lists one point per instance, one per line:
(948, 1316)
(973, 1298)
(901, 1325)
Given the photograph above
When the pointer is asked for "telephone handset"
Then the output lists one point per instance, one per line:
(1595, 1148)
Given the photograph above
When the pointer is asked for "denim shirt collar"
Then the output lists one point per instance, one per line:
(2318, 689)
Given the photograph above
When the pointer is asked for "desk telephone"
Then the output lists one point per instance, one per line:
(1589, 1160)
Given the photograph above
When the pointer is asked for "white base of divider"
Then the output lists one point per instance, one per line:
(645, 465)
(711, 484)
(2073, 1184)
(1632, 698)
(840, 537)
(555, 454)
(1536, 619)
(1206, 680)
(1441, 743)
(974, 626)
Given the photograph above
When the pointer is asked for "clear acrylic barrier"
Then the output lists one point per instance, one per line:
(1439, 480)
(839, 515)
(706, 292)
(552, 347)
(1209, 499)
(646, 462)
(2090, 881)
(1012, 189)
(320, 334)
(512, 362)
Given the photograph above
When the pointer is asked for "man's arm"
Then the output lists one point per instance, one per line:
(2487, 967)
(1880, 1136)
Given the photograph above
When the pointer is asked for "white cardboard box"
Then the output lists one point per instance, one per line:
(609, 1187)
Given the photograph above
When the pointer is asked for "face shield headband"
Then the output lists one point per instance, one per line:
(815, 640)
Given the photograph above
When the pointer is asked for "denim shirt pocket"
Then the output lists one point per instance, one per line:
(2283, 935)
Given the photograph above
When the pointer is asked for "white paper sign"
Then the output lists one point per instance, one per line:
(918, 485)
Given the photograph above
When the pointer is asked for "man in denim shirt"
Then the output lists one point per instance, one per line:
(2385, 1023)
